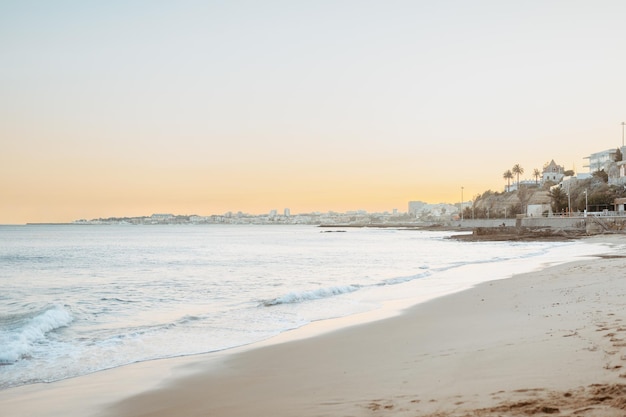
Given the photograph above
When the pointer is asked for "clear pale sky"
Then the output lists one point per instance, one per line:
(128, 108)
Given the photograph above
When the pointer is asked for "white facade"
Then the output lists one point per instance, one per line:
(599, 160)
(552, 172)
(522, 183)
(415, 207)
(537, 210)
(420, 209)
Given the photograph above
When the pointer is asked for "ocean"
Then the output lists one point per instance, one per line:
(76, 299)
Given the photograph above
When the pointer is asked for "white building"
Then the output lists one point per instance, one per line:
(415, 207)
(420, 209)
(522, 183)
(600, 160)
(552, 172)
(161, 217)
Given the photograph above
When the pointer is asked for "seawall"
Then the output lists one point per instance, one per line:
(589, 225)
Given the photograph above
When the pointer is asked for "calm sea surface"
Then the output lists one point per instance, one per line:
(78, 299)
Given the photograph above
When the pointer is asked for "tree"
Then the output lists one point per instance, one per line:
(601, 198)
(524, 194)
(569, 173)
(618, 155)
(517, 170)
(601, 175)
(508, 176)
(559, 199)
(536, 174)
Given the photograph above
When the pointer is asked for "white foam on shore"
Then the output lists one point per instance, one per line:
(399, 298)
(144, 376)
(298, 297)
(393, 272)
(467, 276)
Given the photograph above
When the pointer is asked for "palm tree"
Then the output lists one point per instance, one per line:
(518, 170)
(559, 199)
(508, 176)
(536, 174)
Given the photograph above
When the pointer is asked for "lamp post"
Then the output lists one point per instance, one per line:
(461, 203)
(586, 203)
(569, 202)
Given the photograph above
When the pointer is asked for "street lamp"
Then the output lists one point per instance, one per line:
(569, 202)
(586, 203)
(461, 203)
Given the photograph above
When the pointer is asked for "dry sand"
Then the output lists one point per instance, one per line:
(549, 342)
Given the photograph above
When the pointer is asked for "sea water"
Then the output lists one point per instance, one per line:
(76, 299)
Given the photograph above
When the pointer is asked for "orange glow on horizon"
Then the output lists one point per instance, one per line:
(249, 108)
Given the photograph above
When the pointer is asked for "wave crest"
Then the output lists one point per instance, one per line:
(302, 296)
(24, 331)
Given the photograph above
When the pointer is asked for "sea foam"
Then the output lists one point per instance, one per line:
(302, 296)
(19, 333)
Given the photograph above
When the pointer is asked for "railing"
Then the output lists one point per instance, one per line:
(604, 213)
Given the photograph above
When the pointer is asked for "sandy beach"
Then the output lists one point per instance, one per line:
(548, 342)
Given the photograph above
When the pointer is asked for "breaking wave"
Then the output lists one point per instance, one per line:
(299, 297)
(19, 333)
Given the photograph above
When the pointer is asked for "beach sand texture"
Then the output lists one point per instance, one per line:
(546, 343)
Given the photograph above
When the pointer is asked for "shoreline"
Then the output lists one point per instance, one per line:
(309, 368)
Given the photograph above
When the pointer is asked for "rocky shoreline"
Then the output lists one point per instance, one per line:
(502, 232)
(519, 234)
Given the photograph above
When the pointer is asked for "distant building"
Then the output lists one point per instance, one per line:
(415, 207)
(287, 212)
(198, 219)
(423, 210)
(162, 216)
(600, 160)
(538, 210)
(552, 172)
(522, 183)
(621, 173)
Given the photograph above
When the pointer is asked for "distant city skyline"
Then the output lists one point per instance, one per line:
(122, 109)
(359, 217)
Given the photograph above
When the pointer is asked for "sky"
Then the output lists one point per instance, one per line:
(128, 108)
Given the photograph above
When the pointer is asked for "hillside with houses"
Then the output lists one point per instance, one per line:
(557, 191)
(553, 191)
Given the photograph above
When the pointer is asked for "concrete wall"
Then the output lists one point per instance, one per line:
(608, 223)
(563, 223)
(483, 223)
